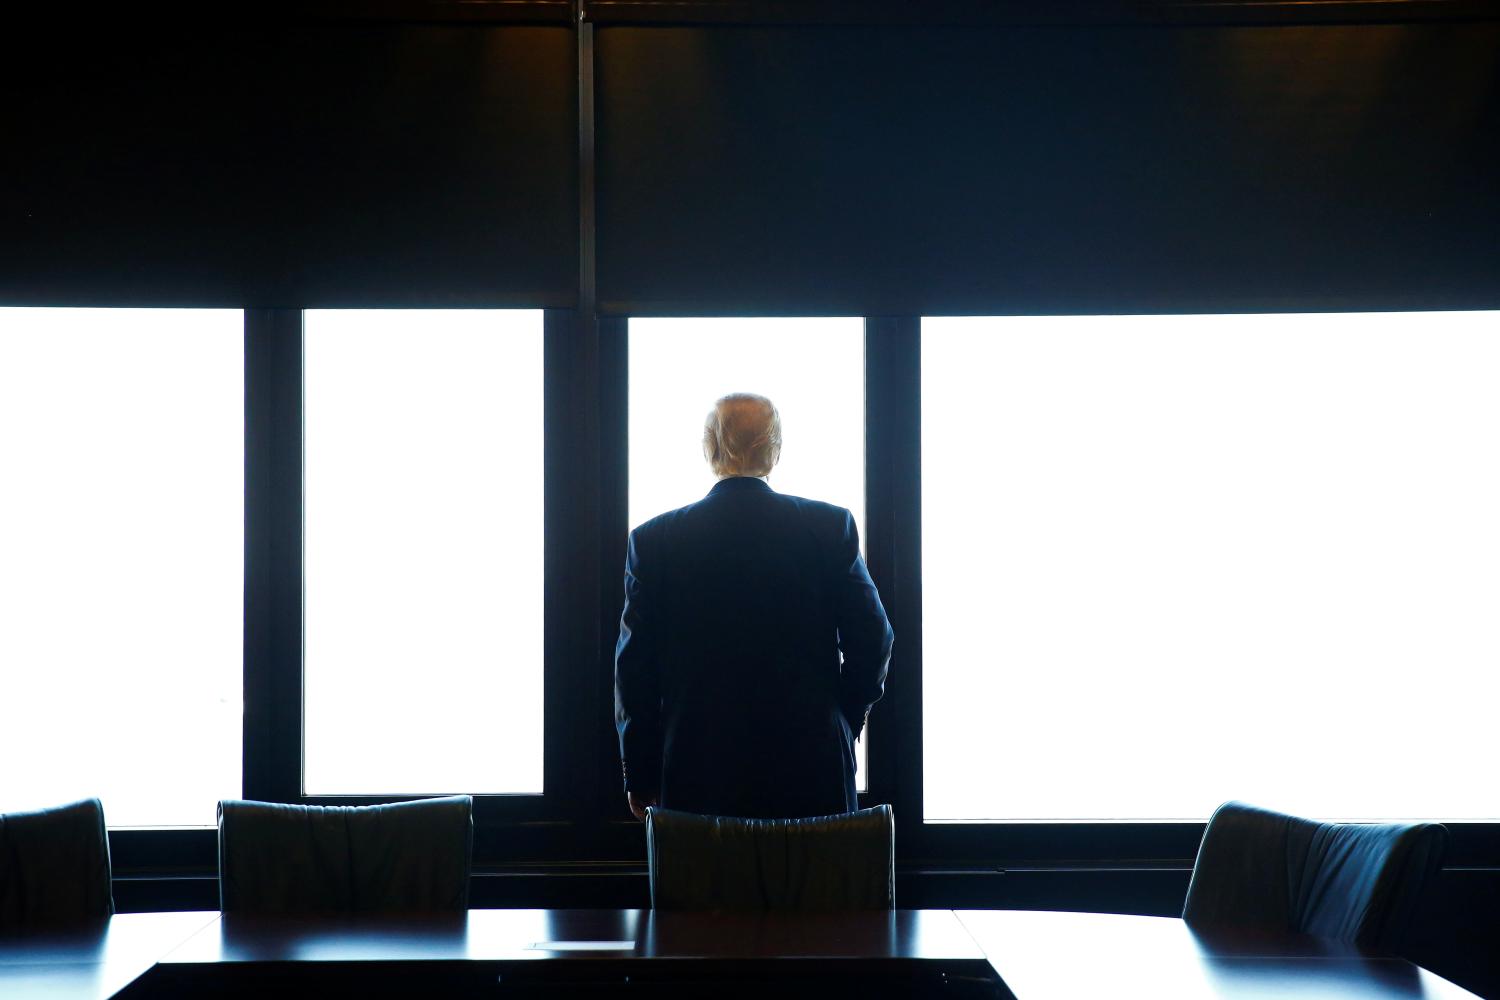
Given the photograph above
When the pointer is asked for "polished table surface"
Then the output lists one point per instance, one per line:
(95, 961)
(897, 936)
(1067, 956)
(1038, 955)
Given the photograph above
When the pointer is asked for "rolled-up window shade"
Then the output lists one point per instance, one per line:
(1048, 169)
(336, 165)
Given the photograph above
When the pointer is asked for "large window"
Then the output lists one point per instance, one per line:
(812, 369)
(423, 552)
(1169, 561)
(121, 548)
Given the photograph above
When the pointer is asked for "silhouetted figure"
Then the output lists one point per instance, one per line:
(730, 698)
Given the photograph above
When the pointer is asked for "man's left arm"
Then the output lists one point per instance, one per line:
(638, 691)
(865, 635)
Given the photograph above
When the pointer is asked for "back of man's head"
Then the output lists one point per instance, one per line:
(742, 436)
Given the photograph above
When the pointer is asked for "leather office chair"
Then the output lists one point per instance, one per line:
(1353, 882)
(405, 857)
(843, 862)
(54, 866)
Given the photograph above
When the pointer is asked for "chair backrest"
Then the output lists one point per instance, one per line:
(842, 862)
(285, 859)
(54, 866)
(1352, 882)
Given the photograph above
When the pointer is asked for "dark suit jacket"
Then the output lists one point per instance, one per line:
(730, 698)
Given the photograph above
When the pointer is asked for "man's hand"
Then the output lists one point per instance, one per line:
(638, 804)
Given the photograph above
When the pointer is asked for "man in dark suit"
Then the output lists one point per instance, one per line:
(730, 695)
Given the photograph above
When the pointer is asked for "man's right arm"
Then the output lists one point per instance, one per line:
(865, 635)
(638, 686)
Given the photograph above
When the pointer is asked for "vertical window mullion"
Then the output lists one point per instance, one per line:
(571, 519)
(273, 554)
(893, 546)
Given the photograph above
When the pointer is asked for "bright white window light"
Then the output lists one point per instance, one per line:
(121, 553)
(812, 369)
(1173, 560)
(422, 552)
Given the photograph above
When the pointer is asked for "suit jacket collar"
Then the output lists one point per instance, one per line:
(740, 484)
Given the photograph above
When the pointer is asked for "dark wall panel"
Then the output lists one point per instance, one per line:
(123, 167)
(1077, 169)
(334, 165)
(433, 164)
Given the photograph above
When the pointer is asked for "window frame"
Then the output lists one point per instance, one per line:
(1063, 843)
(535, 826)
(580, 825)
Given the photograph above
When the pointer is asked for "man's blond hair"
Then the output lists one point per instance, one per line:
(742, 435)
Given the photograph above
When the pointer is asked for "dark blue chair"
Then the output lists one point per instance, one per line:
(1357, 883)
(54, 866)
(824, 863)
(405, 857)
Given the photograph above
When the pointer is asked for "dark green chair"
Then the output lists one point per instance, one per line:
(286, 859)
(54, 866)
(844, 862)
(1358, 883)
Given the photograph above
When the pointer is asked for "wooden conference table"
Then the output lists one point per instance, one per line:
(990, 953)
